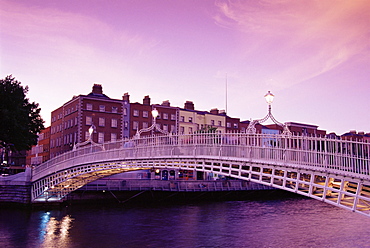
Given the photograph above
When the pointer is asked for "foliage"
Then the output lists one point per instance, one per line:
(207, 129)
(20, 120)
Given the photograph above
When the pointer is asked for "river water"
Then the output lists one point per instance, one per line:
(290, 222)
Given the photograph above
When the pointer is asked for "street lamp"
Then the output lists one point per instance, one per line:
(91, 130)
(155, 114)
(89, 140)
(269, 97)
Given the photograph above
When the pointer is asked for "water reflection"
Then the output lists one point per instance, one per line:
(54, 232)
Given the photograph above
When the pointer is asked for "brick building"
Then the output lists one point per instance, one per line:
(71, 121)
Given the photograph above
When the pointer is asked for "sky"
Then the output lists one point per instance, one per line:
(314, 56)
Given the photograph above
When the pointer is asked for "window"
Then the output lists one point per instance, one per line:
(101, 108)
(87, 135)
(101, 121)
(114, 123)
(136, 112)
(182, 129)
(173, 117)
(190, 130)
(100, 137)
(145, 114)
(135, 125)
(219, 123)
(165, 116)
(235, 125)
(113, 137)
(89, 106)
(182, 118)
(212, 122)
(145, 125)
(165, 127)
(125, 111)
(88, 120)
(114, 110)
(173, 129)
(228, 124)
(190, 119)
(126, 124)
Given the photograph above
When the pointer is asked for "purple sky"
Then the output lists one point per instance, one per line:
(313, 55)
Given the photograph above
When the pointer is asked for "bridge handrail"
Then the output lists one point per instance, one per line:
(344, 156)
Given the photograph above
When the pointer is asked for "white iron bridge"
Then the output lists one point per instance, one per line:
(331, 170)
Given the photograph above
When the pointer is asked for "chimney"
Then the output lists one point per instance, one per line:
(214, 111)
(146, 100)
(97, 89)
(166, 103)
(126, 97)
(189, 105)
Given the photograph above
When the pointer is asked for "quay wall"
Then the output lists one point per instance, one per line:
(16, 188)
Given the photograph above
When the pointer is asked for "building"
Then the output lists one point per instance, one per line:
(168, 117)
(300, 129)
(41, 151)
(70, 122)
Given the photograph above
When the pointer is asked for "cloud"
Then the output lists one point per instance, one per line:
(305, 39)
(45, 28)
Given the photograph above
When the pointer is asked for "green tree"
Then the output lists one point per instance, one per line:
(20, 120)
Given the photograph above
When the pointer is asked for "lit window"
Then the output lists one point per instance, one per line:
(235, 125)
(228, 124)
(101, 121)
(136, 112)
(190, 119)
(89, 106)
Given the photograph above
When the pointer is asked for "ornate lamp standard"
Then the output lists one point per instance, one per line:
(152, 127)
(89, 140)
(269, 99)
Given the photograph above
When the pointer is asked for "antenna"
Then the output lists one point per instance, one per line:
(226, 95)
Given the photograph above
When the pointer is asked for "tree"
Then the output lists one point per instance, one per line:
(20, 120)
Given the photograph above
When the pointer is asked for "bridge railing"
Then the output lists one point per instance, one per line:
(320, 153)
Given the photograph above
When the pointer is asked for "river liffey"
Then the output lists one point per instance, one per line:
(293, 222)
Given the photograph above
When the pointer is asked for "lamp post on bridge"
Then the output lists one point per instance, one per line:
(154, 126)
(269, 99)
(91, 130)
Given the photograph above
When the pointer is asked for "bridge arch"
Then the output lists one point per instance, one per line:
(328, 170)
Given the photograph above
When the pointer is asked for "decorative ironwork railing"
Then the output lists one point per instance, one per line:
(344, 157)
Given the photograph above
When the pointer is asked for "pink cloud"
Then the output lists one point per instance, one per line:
(307, 38)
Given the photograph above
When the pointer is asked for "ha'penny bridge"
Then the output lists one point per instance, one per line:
(330, 170)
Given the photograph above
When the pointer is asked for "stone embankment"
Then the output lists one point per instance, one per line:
(16, 188)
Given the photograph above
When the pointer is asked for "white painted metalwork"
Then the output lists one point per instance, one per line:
(269, 99)
(334, 171)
